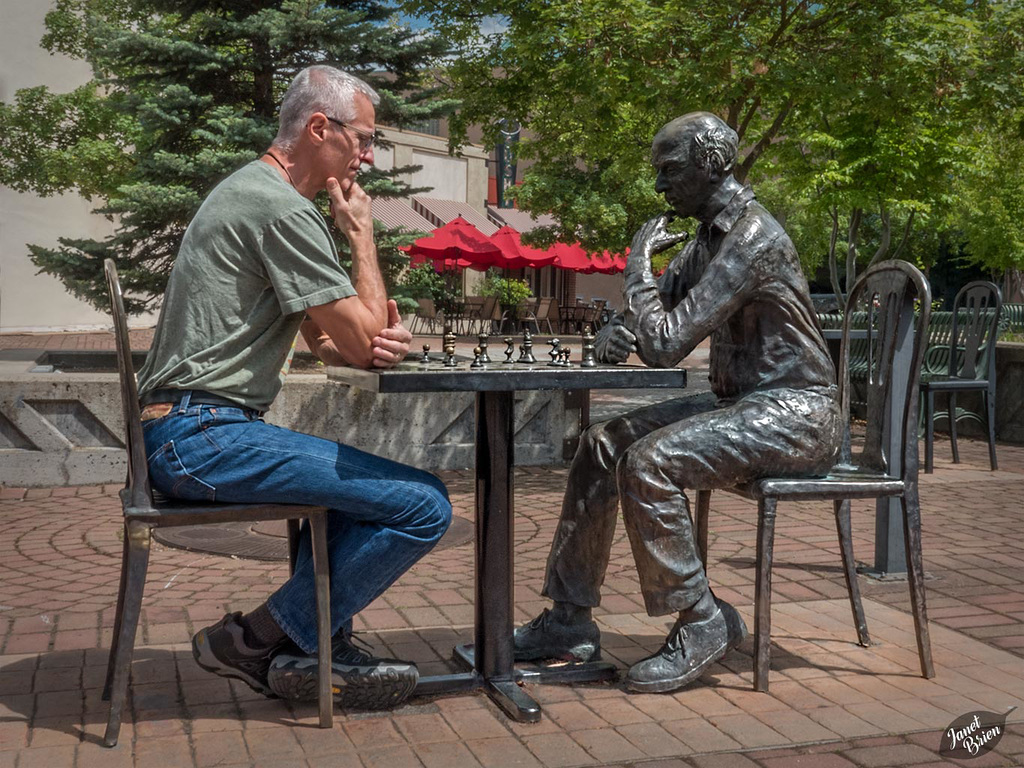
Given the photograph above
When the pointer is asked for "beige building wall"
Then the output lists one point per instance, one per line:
(30, 302)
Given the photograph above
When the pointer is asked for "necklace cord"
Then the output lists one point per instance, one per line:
(277, 160)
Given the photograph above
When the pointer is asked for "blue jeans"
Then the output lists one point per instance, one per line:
(384, 516)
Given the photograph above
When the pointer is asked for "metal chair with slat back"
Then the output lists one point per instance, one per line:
(969, 362)
(143, 513)
(871, 473)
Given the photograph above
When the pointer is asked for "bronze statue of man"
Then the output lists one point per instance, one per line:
(773, 410)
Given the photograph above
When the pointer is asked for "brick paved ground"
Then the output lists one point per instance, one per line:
(832, 704)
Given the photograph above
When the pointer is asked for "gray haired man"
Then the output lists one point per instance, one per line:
(256, 266)
(772, 410)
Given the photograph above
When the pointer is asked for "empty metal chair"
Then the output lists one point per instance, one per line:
(426, 315)
(888, 289)
(968, 364)
(143, 513)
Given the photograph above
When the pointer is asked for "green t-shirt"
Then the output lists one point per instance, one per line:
(256, 255)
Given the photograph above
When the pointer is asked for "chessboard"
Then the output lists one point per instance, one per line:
(507, 366)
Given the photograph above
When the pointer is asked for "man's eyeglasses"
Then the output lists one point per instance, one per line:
(365, 139)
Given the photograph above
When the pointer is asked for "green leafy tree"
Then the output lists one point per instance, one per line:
(874, 163)
(184, 93)
(592, 81)
(990, 191)
(853, 117)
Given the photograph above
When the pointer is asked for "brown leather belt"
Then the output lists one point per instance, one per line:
(159, 402)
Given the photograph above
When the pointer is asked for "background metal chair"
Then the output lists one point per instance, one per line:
(889, 290)
(143, 513)
(968, 364)
(426, 315)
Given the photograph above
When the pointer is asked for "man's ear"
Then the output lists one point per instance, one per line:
(316, 128)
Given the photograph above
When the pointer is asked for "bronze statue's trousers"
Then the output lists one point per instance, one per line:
(646, 458)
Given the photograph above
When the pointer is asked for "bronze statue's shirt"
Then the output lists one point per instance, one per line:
(740, 282)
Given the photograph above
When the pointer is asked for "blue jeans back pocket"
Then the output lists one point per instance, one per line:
(170, 476)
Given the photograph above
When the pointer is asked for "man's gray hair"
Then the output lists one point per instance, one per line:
(318, 88)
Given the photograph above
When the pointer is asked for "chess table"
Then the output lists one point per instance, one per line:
(488, 662)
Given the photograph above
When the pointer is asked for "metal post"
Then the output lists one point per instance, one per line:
(890, 552)
(495, 438)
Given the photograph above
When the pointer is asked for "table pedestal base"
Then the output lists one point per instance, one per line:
(508, 694)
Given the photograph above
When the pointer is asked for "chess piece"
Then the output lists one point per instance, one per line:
(484, 358)
(425, 360)
(478, 361)
(449, 355)
(556, 351)
(526, 350)
(448, 339)
(564, 357)
(510, 350)
(589, 354)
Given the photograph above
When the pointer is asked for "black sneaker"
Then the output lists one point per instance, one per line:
(223, 650)
(358, 680)
(547, 638)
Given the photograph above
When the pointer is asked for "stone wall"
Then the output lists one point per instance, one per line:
(66, 429)
(1009, 399)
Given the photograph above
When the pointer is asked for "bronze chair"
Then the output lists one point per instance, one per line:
(143, 513)
(969, 362)
(871, 473)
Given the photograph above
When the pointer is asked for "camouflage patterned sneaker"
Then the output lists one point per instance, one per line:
(222, 649)
(358, 680)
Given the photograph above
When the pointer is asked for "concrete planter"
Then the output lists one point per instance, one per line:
(66, 428)
(1009, 399)
(1010, 391)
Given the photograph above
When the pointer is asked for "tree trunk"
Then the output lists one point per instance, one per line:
(851, 248)
(906, 237)
(1013, 286)
(885, 239)
(833, 262)
(263, 80)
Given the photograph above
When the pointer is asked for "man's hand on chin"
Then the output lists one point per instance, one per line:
(391, 345)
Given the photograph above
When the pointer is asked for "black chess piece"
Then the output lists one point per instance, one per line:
(478, 361)
(425, 360)
(564, 358)
(510, 350)
(556, 351)
(484, 358)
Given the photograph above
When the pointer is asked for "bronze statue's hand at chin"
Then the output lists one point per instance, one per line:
(653, 237)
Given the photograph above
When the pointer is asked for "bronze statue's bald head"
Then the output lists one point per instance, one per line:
(703, 139)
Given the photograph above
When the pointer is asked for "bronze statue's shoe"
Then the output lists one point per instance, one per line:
(689, 649)
(547, 638)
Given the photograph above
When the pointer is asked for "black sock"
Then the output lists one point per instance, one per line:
(261, 630)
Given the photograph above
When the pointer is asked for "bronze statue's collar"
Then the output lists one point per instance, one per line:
(728, 216)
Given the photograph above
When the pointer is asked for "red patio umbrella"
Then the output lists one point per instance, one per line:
(606, 263)
(457, 244)
(515, 255)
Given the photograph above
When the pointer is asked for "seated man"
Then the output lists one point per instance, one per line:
(255, 261)
(773, 410)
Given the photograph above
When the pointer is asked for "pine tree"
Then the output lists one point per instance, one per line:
(185, 93)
